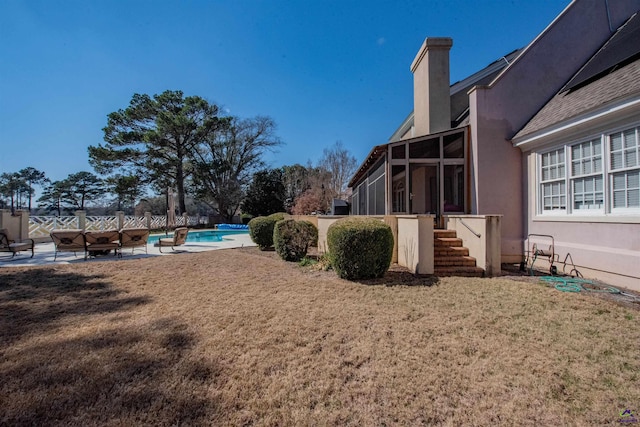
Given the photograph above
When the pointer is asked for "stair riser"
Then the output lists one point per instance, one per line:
(444, 233)
(446, 252)
(451, 258)
(447, 243)
(453, 263)
(458, 274)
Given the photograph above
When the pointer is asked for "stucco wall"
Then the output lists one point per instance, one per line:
(412, 234)
(602, 247)
(17, 225)
(313, 219)
(415, 243)
(485, 248)
(499, 110)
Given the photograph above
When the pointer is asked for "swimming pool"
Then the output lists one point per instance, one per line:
(204, 236)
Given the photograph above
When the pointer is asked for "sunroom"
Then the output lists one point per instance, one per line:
(423, 175)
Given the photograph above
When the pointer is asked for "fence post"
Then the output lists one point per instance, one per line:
(82, 219)
(120, 219)
(147, 218)
(17, 223)
(185, 217)
(24, 224)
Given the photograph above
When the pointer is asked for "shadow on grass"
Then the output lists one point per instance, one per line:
(31, 301)
(63, 362)
(114, 376)
(401, 278)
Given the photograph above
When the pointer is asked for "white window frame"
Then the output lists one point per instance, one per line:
(624, 169)
(573, 178)
(556, 180)
(607, 173)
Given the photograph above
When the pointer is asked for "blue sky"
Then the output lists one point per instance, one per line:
(325, 71)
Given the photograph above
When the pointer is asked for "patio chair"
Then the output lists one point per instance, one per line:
(9, 245)
(101, 242)
(68, 241)
(179, 238)
(134, 238)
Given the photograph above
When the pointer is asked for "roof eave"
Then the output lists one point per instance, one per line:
(629, 106)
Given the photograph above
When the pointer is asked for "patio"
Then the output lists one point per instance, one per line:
(44, 252)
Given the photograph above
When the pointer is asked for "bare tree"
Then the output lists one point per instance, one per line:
(341, 165)
(224, 164)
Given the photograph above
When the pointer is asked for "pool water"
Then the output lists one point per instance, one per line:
(206, 236)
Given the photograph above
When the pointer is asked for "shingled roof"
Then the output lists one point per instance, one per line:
(616, 77)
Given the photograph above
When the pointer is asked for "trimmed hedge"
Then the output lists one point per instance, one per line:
(261, 229)
(360, 248)
(278, 216)
(312, 232)
(292, 238)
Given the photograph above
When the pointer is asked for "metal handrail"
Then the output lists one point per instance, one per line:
(478, 235)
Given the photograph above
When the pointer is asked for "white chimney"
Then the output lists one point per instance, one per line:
(431, 93)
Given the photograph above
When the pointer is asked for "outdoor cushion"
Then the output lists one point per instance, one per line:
(101, 241)
(179, 238)
(133, 238)
(9, 245)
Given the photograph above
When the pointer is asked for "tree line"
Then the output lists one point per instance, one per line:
(170, 141)
(299, 189)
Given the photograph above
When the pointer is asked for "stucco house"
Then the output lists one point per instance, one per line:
(548, 137)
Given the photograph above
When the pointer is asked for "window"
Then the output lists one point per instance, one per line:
(398, 187)
(603, 176)
(587, 183)
(375, 191)
(552, 184)
(454, 188)
(453, 146)
(625, 169)
(426, 149)
(398, 151)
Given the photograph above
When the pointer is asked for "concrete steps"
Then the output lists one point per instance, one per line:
(451, 258)
(459, 271)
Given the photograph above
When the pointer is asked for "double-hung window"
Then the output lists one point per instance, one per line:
(587, 182)
(553, 181)
(598, 176)
(625, 169)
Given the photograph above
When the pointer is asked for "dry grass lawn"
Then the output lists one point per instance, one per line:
(238, 337)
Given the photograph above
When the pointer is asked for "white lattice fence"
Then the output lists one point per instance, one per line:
(158, 221)
(41, 226)
(193, 220)
(101, 223)
(134, 222)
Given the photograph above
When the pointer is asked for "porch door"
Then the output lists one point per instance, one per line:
(424, 189)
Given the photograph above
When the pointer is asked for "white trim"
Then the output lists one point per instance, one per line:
(584, 119)
(626, 218)
(586, 215)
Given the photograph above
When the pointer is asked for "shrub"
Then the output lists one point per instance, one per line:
(292, 238)
(261, 231)
(311, 231)
(360, 248)
(278, 216)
